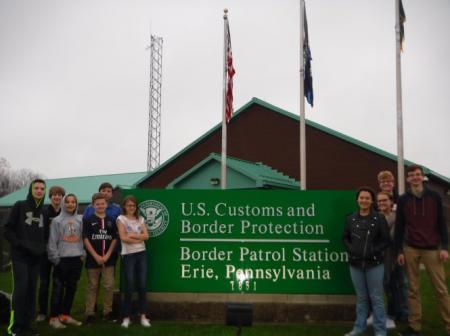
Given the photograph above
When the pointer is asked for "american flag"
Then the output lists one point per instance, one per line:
(402, 27)
(230, 74)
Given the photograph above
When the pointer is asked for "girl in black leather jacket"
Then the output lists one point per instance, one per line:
(366, 237)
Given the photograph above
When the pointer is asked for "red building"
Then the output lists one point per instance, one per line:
(260, 132)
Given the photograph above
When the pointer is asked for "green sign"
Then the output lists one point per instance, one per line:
(251, 241)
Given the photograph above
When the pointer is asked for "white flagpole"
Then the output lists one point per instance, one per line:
(302, 100)
(400, 157)
(223, 166)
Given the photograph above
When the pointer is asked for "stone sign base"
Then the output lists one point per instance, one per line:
(211, 307)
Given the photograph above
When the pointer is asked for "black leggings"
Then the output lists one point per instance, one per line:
(65, 278)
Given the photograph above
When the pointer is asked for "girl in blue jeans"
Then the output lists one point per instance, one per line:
(133, 234)
(366, 237)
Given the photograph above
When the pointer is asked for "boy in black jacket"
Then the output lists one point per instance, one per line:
(25, 232)
(56, 194)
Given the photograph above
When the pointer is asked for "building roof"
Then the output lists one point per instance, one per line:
(83, 187)
(257, 101)
(257, 174)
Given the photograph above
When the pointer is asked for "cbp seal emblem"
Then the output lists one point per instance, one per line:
(155, 215)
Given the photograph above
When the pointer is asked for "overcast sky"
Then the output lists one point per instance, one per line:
(74, 75)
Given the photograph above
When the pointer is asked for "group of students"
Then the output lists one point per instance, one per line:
(53, 242)
(385, 236)
(391, 234)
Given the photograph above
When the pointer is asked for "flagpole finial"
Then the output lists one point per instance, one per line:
(225, 13)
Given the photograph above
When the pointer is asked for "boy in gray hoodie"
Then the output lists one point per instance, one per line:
(66, 252)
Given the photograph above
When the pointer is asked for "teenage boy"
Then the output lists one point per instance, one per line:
(56, 194)
(421, 237)
(25, 232)
(112, 210)
(386, 183)
(100, 238)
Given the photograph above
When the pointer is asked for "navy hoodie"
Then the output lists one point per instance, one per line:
(25, 229)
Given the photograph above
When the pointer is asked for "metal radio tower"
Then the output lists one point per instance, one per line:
(154, 120)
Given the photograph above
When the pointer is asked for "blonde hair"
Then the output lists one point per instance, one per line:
(385, 175)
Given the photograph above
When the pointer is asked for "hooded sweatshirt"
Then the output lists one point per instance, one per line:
(420, 222)
(24, 229)
(65, 235)
(49, 213)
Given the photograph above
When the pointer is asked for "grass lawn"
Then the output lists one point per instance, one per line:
(432, 324)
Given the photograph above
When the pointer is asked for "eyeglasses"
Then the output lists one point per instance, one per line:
(382, 200)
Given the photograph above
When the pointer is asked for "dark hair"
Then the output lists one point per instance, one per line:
(385, 193)
(38, 180)
(130, 198)
(98, 196)
(56, 190)
(105, 185)
(414, 167)
(367, 189)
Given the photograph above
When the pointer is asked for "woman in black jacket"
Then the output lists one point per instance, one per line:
(366, 237)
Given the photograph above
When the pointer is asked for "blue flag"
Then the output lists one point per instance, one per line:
(307, 80)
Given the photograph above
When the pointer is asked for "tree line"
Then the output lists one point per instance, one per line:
(14, 179)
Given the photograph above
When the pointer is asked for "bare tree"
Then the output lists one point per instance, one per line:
(4, 176)
(22, 177)
(11, 180)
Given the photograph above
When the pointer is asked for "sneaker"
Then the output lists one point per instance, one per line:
(90, 319)
(67, 319)
(55, 323)
(126, 322)
(145, 322)
(369, 320)
(353, 333)
(40, 318)
(109, 317)
(390, 323)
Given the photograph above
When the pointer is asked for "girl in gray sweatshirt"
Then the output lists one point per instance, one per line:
(66, 252)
